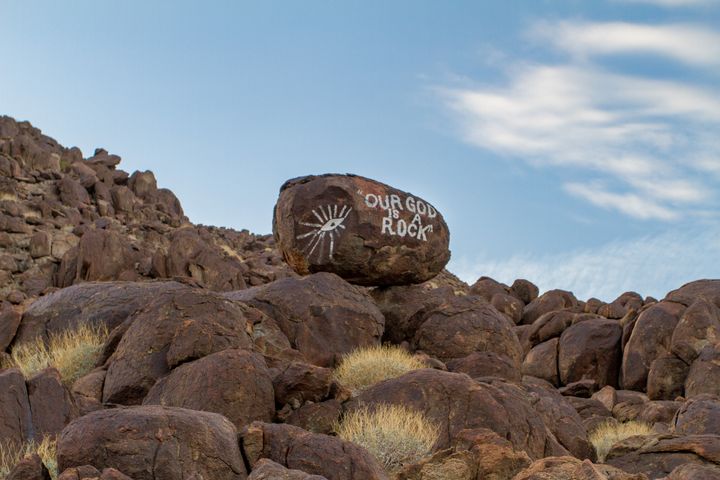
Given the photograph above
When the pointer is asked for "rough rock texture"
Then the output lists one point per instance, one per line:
(322, 315)
(486, 364)
(542, 362)
(234, 383)
(362, 230)
(268, 470)
(15, 417)
(456, 402)
(666, 378)
(691, 471)
(29, 468)
(699, 415)
(548, 302)
(153, 442)
(698, 328)
(51, 404)
(313, 453)
(569, 468)
(590, 350)
(177, 326)
(704, 373)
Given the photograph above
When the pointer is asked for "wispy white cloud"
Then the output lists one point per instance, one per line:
(674, 3)
(651, 265)
(683, 42)
(653, 141)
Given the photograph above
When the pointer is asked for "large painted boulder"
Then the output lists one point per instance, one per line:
(364, 231)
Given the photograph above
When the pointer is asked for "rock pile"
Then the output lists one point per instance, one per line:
(218, 361)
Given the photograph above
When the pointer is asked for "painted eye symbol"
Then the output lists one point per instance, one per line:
(330, 221)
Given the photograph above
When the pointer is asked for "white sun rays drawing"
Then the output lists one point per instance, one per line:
(330, 221)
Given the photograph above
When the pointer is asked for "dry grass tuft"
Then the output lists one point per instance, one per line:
(73, 353)
(393, 434)
(367, 366)
(609, 433)
(11, 454)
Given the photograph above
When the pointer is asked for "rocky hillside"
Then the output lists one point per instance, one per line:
(215, 360)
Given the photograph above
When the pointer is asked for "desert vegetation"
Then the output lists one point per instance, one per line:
(609, 433)
(73, 353)
(393, 434)
(367, 366)
(11, 454)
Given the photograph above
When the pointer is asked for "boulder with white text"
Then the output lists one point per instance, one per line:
(362, 230)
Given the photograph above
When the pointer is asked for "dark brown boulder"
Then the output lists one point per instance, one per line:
(29, 468)
(542, 362)
(177, 326)
(704, 373)
(88, 472)
(234, 383)
(98, 304)
(666, 379)
(650, 339)
(550, 325)
(621, 305)
(15, 416)
(487, 288)
(548, 302)
(313, 453)
(9, 322)
(658, 455)
(51, 404)
(698, 328)
(297, 383)
(569, 468)
(708, 290)
(651, 412)
(525, 290)
(268, 470)
(317, 417)
(72, 193)
(322, 315)
(464, 325)
(508, 305)
(456, 402)
(405, 307)
(691, 471)
(364, 231)
(699, 415)
(152, 442)
(590, 350)
(486, 364)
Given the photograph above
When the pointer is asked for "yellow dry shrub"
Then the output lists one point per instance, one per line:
(73, 353)
(607, 434)
(395, 435)
(11, 454)
(367, 366)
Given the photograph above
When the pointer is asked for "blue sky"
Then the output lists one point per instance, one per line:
(573, 143)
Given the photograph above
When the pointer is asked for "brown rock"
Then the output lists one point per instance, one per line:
(316, 454)
(550, 325)
(51, 405)
(40, 244)
(268, 470)
(234, 383)
(658, 455)
(704, 373)
(322, 315)
(317, 417)
(72, 193)
(29, 468)
(698, 328)
(508, 305)
(691, 471)
(80, 473)
(652, 412)
(143, 184)
(650, 339)
(455, 402)
(666, 378)
(9, 321)
(298, 383)
(525, 290)
(487, 287)
(542, 362)
(362, 230)
(699, 415)
(621, 305)
(486, 364)
(548, 302)
(177, 326)
(464, 325)
(590, 350)
(708, 290)
(569, 468)
(101, 255)
(152, 442)
(15, 417)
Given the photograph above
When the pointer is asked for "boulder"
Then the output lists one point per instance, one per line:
(658, 455)
(51, 405)
(455, 402)
(590, 350)
(486, 364)
(548, 302)
(621, 305)
(88, 472)
(464, 325)
(364, 231)
(298, 383)
(666, 378)
(151, 442)
(322, 315)
(320, 417)
(9, 322)
(313, 453)
(234, 383)
(698, 328)
(569, 468)
(177, 326)
(15, 415)
(268, 470)
(699, 415)
(29, 468)
(708, 290)
(704, 373)
(542, 362)
(690, 471)
(524, 290)
(649, 340)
